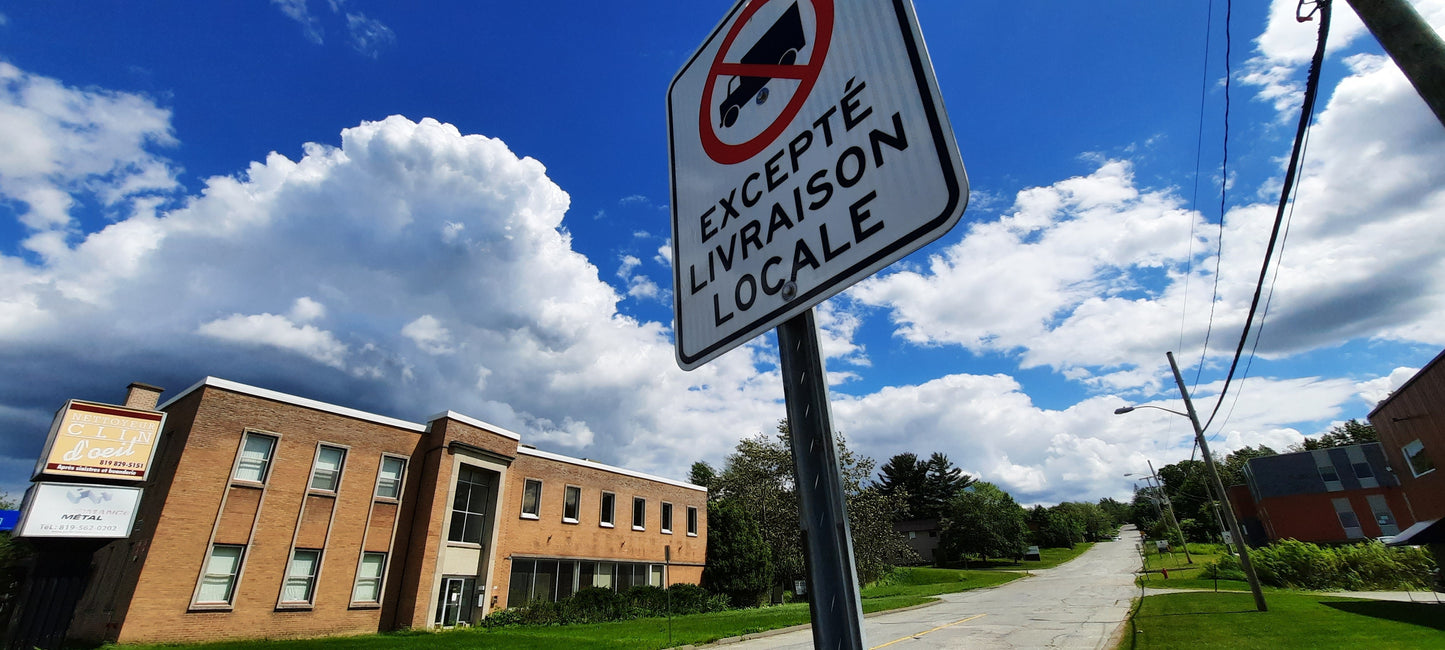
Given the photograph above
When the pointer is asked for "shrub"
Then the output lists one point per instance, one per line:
(594, 605)
(1355, 567)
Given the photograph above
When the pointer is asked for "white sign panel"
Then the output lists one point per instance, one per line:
(78, 510)
(809, 149)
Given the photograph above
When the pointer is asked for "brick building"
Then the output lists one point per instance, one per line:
(271, 515)
(1331, 495)
(1411, 424)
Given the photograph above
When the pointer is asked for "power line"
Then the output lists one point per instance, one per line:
(1198, 156)
(1223, 185)
(1312, 86)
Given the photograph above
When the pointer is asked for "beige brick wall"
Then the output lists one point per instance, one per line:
(161, 609)
(549, 536)
(148, 581)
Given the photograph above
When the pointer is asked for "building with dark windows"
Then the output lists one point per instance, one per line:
(272, 515)
(1411, 424)
(1331, 495)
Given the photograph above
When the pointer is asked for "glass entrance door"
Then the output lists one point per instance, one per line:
(455, 603)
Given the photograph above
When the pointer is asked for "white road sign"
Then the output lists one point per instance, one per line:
(809, 149)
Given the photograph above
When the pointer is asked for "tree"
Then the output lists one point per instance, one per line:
(985, 521)
(906, 476)
(1352, 432)
(758, 475)
(738, 560)
(942, 483)
(1231, 471)
(928, 486)
(702, 474)
(1119, 513)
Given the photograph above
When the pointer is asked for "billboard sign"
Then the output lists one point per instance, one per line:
(100, 441)
(809, 148)
(78, 510)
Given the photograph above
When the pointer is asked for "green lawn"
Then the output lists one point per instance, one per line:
(912, 586)
(1294, 620)
(1048, 558)
(925, 581)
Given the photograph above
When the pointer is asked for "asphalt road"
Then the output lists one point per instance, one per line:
(1076, 605)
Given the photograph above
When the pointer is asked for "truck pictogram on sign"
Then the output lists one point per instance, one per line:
(780, 45)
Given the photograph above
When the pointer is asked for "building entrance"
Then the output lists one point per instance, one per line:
(457, 604)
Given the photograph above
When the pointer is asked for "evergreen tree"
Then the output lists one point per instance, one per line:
(738, 560)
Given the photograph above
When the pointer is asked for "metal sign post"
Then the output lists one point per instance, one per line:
(836, 610)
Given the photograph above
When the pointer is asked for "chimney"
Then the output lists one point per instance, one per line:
(143, 396)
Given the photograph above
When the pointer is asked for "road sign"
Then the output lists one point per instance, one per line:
(809, 149)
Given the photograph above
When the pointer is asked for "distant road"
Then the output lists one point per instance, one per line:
(1077, 605)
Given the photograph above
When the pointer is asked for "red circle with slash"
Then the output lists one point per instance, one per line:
(805, 73)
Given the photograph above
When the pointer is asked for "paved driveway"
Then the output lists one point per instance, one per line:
(1077, 605)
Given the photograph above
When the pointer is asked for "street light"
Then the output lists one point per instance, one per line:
(1159, 487)
(1234, 531)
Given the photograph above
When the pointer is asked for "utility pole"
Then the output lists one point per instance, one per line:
(1414, 46)
(1234, 531)
(1170, 506)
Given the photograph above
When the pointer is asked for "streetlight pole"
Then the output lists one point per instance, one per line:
(1170, 507)
(1234, 531)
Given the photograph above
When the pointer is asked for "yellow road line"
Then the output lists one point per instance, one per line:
(915, 636)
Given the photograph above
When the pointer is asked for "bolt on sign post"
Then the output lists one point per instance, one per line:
(809, 149)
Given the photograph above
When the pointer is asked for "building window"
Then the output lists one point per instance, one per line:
(469, 506)
(692, 521)
(255, 458)
(326, 474)
(552, 579)
(571, 504)
(1362, 470)
(666, 518)
(1420, 463)
(531, 498)
(218, 583)
(1327, 472)
(388, 478)
(368, 578)
(301, 576)
(639, 513)
(609, 510)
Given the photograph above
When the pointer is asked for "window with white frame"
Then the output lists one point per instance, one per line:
(326, 473)
(388, 477)
(255, 461)
(666, 518)
(218, 583)
(531, 498)
(300, 583)
(639, 513)
(1420, 462)
(368, 578)
(571, 504)
(469, 506)
(692, 521)
(609, 510)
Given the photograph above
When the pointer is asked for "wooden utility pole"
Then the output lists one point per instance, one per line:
(1229, 518)
(1414, 46)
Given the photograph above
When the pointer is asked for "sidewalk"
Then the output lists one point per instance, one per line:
(1398, 596)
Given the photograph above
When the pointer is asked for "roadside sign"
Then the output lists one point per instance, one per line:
(809, 149)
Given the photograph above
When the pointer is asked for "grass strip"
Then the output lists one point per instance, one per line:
(1294, 620)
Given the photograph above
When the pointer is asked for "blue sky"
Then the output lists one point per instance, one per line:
(465, 206)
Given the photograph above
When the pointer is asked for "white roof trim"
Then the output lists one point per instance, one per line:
(476, 423)
(284, 398)
(606, 468)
